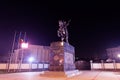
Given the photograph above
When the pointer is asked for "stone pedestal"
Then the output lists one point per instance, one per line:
(62, 56)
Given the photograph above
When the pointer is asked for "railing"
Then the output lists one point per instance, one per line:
(23, 67)
(105, 66)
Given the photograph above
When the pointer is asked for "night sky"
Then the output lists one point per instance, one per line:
(93, 27)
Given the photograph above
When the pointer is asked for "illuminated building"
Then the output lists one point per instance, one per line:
(114, 53)
(40, 53)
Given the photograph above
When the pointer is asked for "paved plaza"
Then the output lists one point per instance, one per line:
(84, 75)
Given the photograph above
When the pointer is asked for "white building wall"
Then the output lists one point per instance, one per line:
(40, 53)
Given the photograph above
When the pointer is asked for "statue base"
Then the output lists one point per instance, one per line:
(62, 56)
(57, 74)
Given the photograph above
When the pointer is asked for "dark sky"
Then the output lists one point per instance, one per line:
(93, 28)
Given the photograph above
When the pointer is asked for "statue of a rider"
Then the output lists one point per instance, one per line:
(62, 31)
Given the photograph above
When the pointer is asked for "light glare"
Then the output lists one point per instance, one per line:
(118, 55)
(62, 43)
(31, 59)
(24, 45)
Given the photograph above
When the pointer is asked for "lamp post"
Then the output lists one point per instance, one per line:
(23, 46)
(30, 60)
(118, 56)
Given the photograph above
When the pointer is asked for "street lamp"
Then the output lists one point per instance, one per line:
(118, 55)
(30, 60)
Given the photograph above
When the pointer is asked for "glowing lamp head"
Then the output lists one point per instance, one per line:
(118, 55)
(31, 59)
(24, 45)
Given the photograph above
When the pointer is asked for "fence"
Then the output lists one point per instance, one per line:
(41, 66)
(105, 66)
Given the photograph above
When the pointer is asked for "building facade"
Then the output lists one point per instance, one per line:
(114, 53)
(39, 53)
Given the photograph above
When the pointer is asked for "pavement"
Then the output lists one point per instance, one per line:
(84, 75)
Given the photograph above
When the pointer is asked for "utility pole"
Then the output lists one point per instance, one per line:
(12, 52)
(18, 47)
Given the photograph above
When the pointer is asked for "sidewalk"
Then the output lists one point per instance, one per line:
(96, 75)
(84, 75)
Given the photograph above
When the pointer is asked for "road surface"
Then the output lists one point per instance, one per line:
(84, 75)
